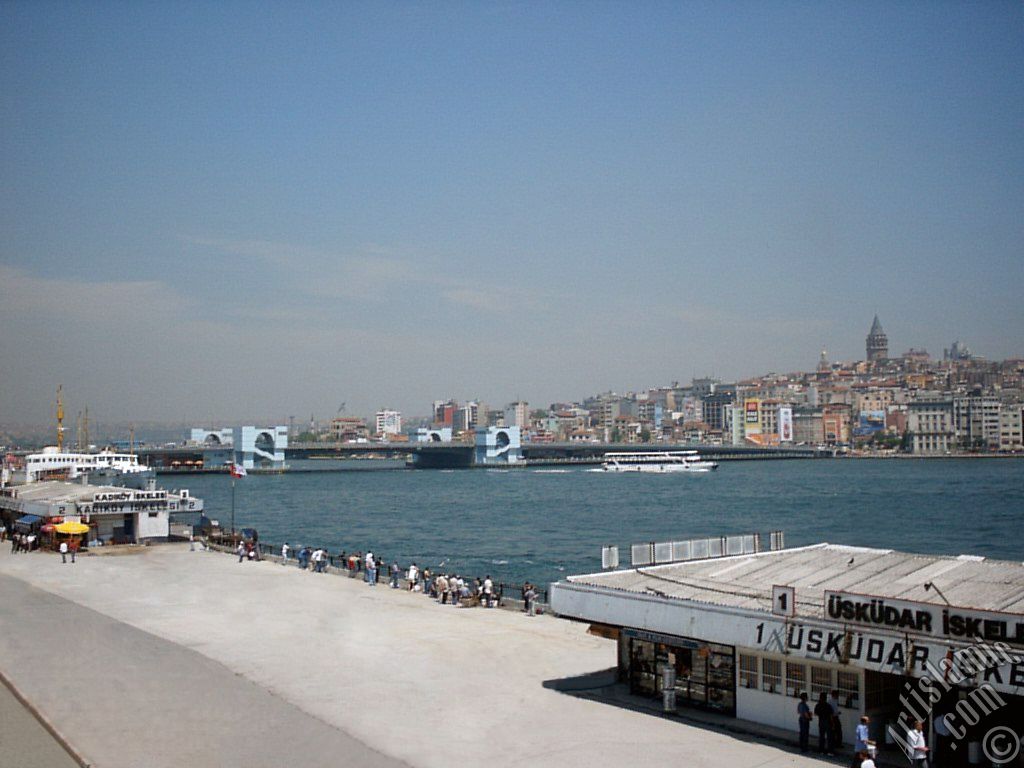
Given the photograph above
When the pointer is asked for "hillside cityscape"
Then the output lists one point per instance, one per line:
(910, 403)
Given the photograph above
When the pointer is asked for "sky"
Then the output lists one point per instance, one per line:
(224, 211)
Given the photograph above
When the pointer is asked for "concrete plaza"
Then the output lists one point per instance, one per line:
(169, 657)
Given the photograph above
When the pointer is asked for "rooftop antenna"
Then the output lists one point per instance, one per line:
(60, 418)
(131, 438)
(85, 428)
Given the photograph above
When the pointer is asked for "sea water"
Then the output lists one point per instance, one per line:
(541, 525)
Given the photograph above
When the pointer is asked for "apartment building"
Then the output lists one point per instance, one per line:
(387, 423)
(976, 420)
(930, 423)
(1011, 436)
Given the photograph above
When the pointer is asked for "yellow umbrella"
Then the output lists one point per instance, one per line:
(71, 528)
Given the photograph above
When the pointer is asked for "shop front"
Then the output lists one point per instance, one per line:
(701, 674)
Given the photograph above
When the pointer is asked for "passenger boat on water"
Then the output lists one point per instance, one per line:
(657, 461)
(103, 467)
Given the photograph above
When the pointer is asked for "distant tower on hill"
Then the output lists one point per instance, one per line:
(878, 342)
(823, 363)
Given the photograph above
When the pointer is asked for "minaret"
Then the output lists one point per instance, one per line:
(877, 342)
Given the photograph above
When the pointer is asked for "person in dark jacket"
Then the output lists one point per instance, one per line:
(823, 711)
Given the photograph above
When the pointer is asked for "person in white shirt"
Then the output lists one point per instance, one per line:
(917, 748)
(285, 549)
(63, 551)
(488, 591)
(442, 588)
(414, 573)
(865, 761)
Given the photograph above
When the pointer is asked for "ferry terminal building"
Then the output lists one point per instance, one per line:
(113, 514)
(744, 635)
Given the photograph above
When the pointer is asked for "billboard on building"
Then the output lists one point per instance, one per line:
(785, 424)
(869, 422)
(752, 417)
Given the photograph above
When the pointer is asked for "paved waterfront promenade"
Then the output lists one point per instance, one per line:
(168, 657)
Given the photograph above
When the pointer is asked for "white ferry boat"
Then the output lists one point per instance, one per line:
(108, 467)
(657, 461)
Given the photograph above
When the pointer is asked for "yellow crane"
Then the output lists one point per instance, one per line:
(60, 418)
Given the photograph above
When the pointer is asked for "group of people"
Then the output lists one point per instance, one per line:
(29, 542)
(247, 550)
(830, 725)
(450, 588)
(447, 588)
(318, 560)
(830, 733)
(67, 548)
(24, 542)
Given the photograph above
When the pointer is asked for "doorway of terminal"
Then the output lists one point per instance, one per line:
(704, 673)
(964, 725)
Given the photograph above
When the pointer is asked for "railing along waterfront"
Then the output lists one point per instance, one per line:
(504, 591)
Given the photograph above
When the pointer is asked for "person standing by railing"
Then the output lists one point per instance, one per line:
(442, 588)
(285, 549)
(530, 598)
(413, 576)
(371, 570)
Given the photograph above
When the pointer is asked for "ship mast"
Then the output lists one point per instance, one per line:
(60, 419)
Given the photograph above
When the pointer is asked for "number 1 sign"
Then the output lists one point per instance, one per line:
(783, 600)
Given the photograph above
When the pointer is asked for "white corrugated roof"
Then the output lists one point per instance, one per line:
(745, 581)
(55, 491)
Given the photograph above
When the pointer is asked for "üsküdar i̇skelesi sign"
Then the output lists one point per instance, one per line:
(942, 622)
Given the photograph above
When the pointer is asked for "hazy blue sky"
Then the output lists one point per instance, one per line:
(244, 210)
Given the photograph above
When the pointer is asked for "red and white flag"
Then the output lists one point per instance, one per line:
(237, 470)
